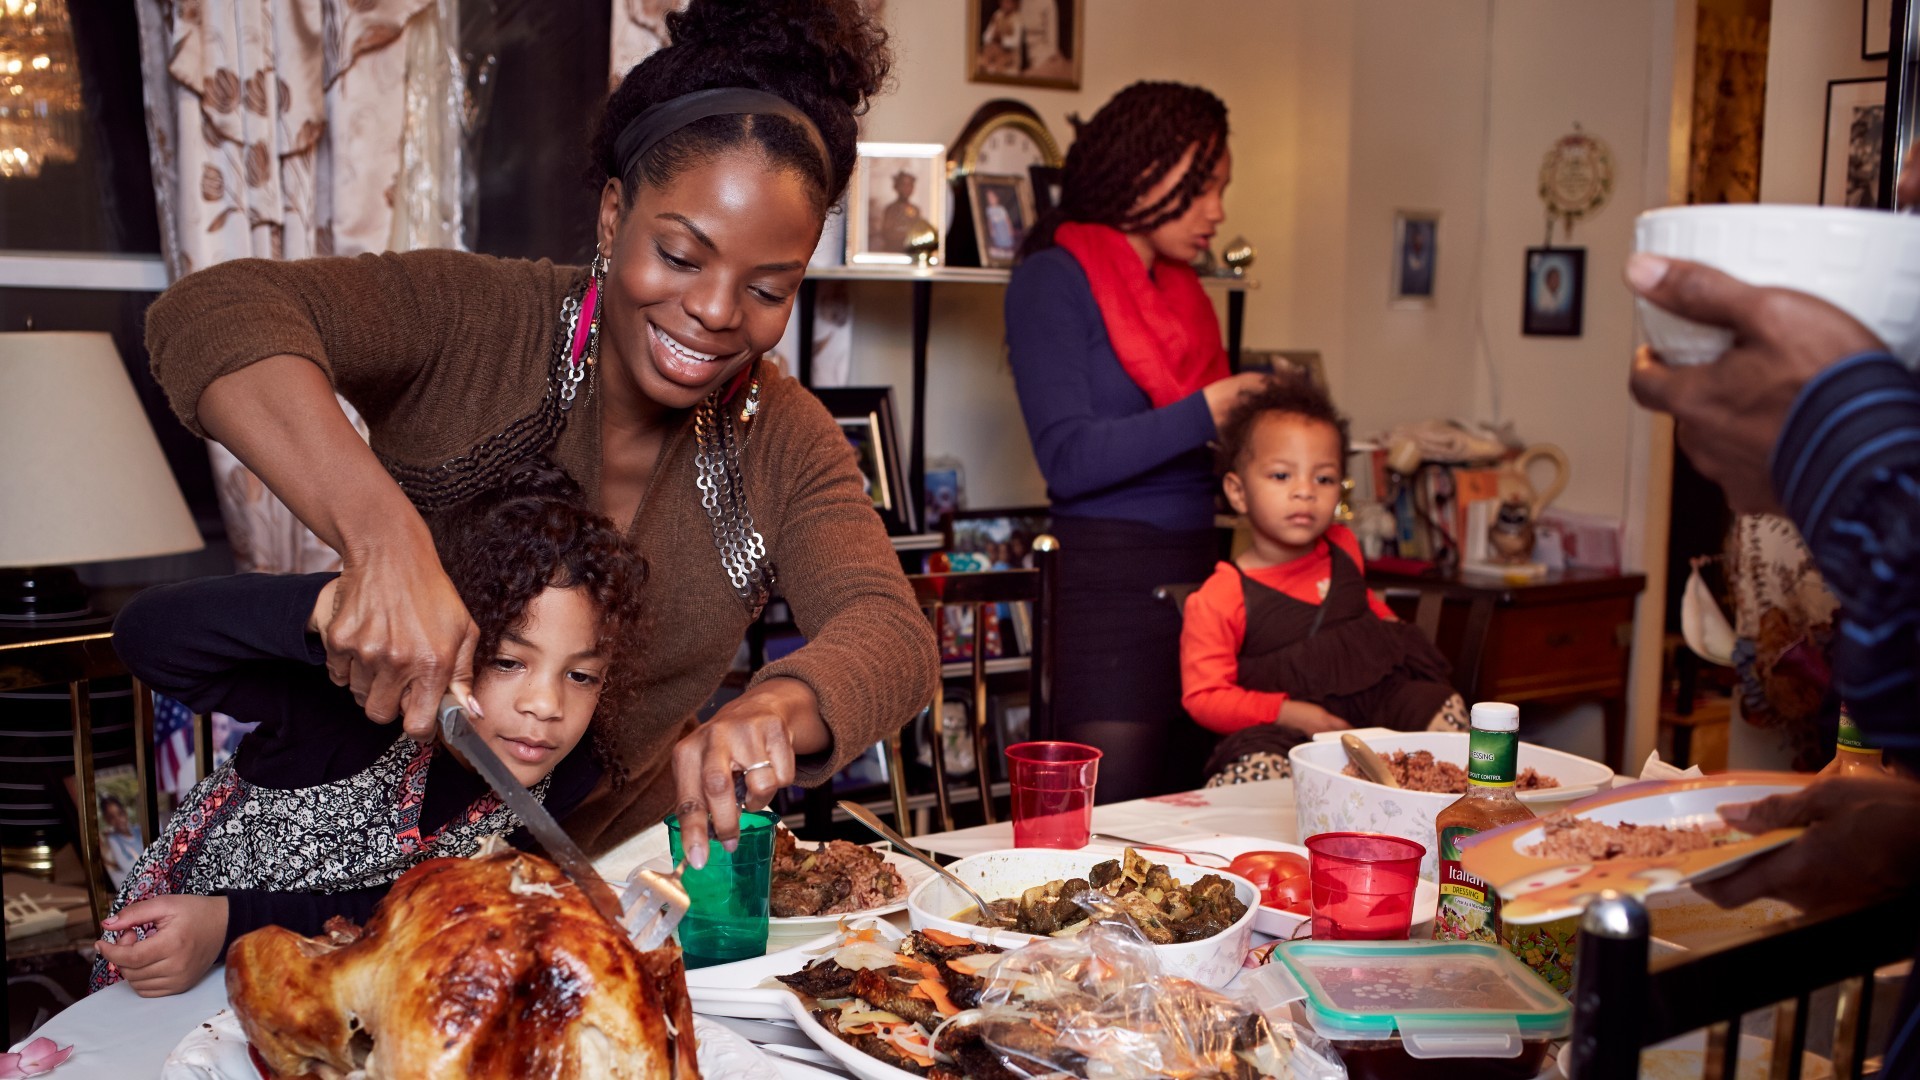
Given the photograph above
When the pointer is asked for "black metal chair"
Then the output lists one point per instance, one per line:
(977, 591)
(1622, 1002)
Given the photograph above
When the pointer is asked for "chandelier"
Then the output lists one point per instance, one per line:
(39, 87)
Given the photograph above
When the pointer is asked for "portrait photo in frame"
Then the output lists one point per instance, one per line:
(894, 185)
(1026, 42)
(1554, 303)
(867, 418)
(1850, 158)
(1003, 214)
(1416, 255)
(1876, 28)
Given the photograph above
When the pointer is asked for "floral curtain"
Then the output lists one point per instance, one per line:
(284, 129)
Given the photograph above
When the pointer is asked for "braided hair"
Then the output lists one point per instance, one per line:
(826, 57)
(1130, 145)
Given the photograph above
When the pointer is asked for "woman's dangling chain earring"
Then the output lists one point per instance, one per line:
(580, 360)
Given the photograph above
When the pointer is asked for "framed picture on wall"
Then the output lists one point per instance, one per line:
(1002, 208)
(1026, 42)
(1850, 159)
(894, 186)
(866, 417)
(1416, 253)
(1556, 292)
(1876, 28)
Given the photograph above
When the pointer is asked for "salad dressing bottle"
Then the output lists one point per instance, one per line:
(1469, 910)
(1854, 757)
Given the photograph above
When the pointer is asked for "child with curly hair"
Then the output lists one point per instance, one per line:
(1287, 640)
(321, 809)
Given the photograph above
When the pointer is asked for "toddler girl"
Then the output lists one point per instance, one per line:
(1286, 640)
(321, 809)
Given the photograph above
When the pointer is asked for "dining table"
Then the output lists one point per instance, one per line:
(118, 1034)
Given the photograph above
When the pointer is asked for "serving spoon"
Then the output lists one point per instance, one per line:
(865, 817)
(1368, 761)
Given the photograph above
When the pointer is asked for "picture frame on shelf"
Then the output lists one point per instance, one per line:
(1554, 301)
(1876, 29)
(1850, 157)
(1026, 42)
(894, 185)
(867, 418)
(1003, 214)
(1416, 257)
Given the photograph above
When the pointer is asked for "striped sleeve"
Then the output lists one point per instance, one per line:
(1847, 470)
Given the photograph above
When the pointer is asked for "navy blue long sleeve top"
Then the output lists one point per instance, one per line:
(1847, 470)
(239, 645)
(1105, 451)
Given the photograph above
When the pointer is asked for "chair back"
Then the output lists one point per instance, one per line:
(977, 591)
(1622, 1002)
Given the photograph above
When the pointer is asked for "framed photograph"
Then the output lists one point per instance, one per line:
(1876, 28)
(1026, 42)
(1047, 180)
(1850, 160)
(117, 793)
(1287, 362)
(895, 185)
(1416, 238)
(1556, 290)
(1002, 209)
(866, 418)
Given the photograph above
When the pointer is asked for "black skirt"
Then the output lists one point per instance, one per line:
(1117, 661)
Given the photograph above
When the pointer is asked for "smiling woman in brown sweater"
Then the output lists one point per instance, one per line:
(640, 376)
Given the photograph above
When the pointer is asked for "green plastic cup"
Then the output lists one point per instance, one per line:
(728, 917)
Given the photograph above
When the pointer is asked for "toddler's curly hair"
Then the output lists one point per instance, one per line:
(1290, 394)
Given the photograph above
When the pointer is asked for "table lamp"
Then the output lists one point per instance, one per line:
(82, 477)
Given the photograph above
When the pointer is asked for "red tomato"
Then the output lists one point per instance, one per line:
(1281, 877)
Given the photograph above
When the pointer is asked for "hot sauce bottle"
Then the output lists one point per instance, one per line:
(1469, 910)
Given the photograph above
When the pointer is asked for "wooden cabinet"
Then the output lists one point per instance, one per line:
(1566, 639)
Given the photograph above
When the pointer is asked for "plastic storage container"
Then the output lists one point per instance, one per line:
(1408, 1010)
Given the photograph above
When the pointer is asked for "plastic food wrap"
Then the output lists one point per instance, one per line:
(1095, 1005)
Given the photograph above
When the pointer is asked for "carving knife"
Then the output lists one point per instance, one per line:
(458, 731)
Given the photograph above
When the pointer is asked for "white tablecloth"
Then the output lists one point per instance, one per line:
(119, 1035)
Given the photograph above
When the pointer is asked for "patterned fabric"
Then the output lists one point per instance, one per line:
(1847, 470)
(351, 834)
(289, 128)
(1268, 765)
(1783, 636)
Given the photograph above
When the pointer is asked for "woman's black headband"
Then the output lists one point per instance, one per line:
(656, 122)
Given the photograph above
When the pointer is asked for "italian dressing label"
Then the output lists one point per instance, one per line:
(1468, 909)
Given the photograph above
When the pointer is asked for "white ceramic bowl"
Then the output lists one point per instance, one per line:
(1865, 262)
(997, 875)
(1327, 800)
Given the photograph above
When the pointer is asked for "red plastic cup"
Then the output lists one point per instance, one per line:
(1052, 793)
(1363, 885)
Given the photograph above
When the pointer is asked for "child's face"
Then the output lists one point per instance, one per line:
(539, 690)
(1289, 484)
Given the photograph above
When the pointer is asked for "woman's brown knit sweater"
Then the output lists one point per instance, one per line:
(439, 350)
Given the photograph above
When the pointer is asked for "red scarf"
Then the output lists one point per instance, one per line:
(1162, 326)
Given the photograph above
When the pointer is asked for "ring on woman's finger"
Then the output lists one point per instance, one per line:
(745, 769)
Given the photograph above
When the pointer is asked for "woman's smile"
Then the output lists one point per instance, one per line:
(679, 363)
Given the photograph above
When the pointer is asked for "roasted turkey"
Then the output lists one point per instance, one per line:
(483, 968)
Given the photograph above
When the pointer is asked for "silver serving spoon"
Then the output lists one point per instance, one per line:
(865, 817)
(1370, 763)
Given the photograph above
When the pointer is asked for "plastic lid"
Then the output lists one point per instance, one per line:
(1495, 716)
(1445, 998)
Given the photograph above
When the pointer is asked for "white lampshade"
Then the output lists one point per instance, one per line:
(82, 478)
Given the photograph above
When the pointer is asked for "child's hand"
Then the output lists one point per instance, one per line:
(1310, 718)
(183, 945)
(323, 606)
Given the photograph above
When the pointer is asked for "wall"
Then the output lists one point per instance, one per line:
(1811, 42)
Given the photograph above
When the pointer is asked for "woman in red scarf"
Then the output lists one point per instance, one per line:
(1122, 378)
